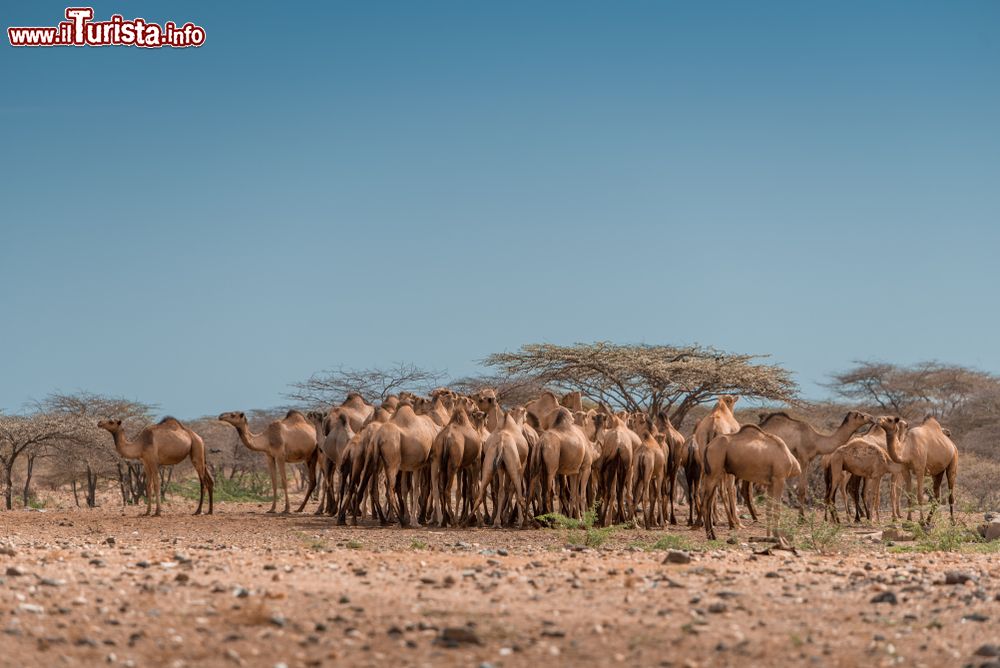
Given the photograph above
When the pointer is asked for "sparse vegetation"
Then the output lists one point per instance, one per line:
(249, 488)
(580, 532)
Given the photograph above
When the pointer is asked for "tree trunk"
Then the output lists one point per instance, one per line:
(76, 497)
(8, 479)
(27, 480)
(91, 488)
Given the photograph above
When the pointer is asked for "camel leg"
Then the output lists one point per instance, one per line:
(311, 472)
(326, 489)
(774, 506)
(831, 498)
(271, 468)
(920, 496)
(402, 490)
(748, 494)
(156, 489)
(952, 474)
(150, 474)
(205, 481)
(283, 478)
(708, 508)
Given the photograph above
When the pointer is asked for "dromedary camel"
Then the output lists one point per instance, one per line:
(503, 462)
(677, 450)
(719, 421)
(289, 440)
(753, 455)
(650, 468)
(806, 443)
(926, 450)
(865, 457)
(614, 466)
(457, 449)
(402, 445)
(563, 450)
(166, 443)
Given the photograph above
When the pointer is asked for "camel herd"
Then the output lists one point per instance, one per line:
(454, 459)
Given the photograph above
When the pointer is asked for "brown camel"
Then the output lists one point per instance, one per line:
(503, 459)
(289, 440)
(650, 468)
(613, 465)
(486, 401)
(718, 422)
(806, 443)
(402, 445)
(753, 455)
(457, 449)
(926, 451)
(339, 431)
(360, 455)
(677, 450)
(355, 408)
(563, 450)
(542, 410)
(865, 457)
(165, 443)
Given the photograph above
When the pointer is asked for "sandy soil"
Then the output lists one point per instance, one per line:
(245, 588)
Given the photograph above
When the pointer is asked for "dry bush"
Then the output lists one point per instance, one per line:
(977, 482)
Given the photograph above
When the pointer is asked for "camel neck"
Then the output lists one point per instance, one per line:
(125, 447)
(248, 437)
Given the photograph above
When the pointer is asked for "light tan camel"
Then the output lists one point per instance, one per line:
(360, 455)
(457, 449)
(650, 468)
(572, 401)
(677, 451)
(719, 421)
(806, 443)
(355, 408)
(614, 466)
(563, 450)
(402, 445)
(542, 410)
(503, 461)
(755, 456)
(865, 457)
(290, 440)
(486, 400)
(166, 443)
(339, 432)
(926, 451)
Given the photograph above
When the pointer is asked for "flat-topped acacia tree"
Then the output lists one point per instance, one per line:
(640, 377)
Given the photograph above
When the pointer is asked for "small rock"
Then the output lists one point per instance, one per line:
(241, 592)
(7, 549)
(142, 564)
(677, 557)
(975, 617)
(456, 636)
(717, 608)
(278, 620)
(988, 650)
(957, 577)
(32, 608)
(502, 552)
(885, 597)
(110, 540)
(51, 582)
(15, 571)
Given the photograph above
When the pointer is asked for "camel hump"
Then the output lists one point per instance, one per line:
(294, 414)
(170, 421)
(563, 417)
(764, 417)
(752, 427)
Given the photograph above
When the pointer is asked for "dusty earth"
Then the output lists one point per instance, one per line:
(89, 587)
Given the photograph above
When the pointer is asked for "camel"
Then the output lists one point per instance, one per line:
(486, 400)
(542, 410)
(358, 457)
(289, 440)
(355, 408)
(572, 401)
(753, 455)
(676, 450)
(338, 432)
(165, 443)
(865, 458)
(564, 450)
(719, 421)
(456, 448)
(806, 443)
(926, 451)
(650, 467)
(402, 445)
(502, 457)
(613, 465)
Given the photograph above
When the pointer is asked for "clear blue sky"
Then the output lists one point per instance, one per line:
(362, 183)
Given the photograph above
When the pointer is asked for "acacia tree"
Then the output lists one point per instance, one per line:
(927, 388)
(91, 453)
(25, 435)
(648, 377)
(374, 384)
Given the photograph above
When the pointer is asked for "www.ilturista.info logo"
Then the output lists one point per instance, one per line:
(80, 30)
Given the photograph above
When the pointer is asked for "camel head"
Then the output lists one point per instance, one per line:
(110, 425)
(893, 424)
(518, 413)
(485, 399)
(478, 419)
(235, 418)
(600, 420)
(857, 419)
(729, 400)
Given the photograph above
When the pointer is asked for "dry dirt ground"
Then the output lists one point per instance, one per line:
(99, 587)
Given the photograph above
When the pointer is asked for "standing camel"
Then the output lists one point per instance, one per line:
(806, 443)
(289, 440)
(456, 449)
(926, 450)
(755, 456)
(865, 458)
(166, 443)
(719, 421)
